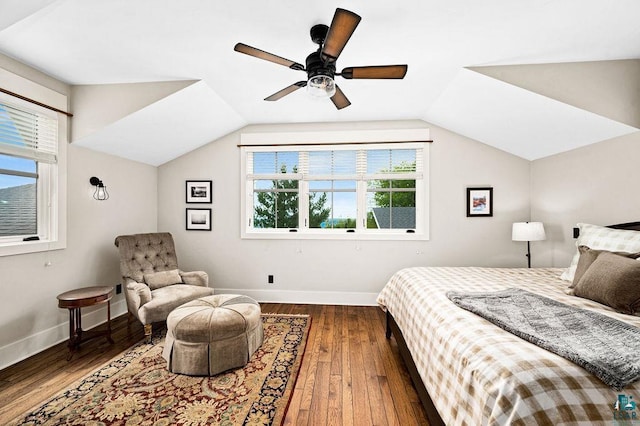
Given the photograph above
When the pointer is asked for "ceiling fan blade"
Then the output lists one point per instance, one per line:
(284, 92)
(376, 71)
(252, 51)
(344, 23)
(339, 99)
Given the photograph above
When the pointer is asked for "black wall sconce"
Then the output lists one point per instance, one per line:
(101, 193)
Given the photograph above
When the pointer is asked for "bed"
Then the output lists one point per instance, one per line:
(468, 371)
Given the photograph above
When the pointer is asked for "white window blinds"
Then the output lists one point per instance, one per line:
(318, 164)
(28, 134)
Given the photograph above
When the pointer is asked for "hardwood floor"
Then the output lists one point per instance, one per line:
(350, 375)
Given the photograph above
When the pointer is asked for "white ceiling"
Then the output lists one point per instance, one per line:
(87, 42)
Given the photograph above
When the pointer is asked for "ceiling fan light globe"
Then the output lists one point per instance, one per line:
(321, 86)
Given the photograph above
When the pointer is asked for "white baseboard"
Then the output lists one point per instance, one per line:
(305, 297)
(38, 342)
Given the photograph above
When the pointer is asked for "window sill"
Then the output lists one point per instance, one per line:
(349, 236)
(26, 247)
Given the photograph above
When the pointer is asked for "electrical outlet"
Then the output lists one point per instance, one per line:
(119, 289)
(270, 279)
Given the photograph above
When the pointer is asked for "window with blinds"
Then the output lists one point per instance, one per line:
(28, 156)
(364, 189)
(28, 134)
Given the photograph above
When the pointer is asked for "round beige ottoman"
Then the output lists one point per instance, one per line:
(212, 334)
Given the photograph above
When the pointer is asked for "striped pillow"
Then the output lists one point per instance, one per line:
(602, 238)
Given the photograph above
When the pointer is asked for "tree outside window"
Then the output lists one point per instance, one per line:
(277, 206)
(392, 202)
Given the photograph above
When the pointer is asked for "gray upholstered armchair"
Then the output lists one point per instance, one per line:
(153, 283)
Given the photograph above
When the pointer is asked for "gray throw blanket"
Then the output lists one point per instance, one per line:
(606, 347)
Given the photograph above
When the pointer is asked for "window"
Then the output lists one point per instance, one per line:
(369, 191)
(28, 174)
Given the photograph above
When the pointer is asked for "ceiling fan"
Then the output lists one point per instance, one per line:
(321, 64)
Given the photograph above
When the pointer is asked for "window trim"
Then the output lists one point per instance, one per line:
(322, 141)
(52, 189)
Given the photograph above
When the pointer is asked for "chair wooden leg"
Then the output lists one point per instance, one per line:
(130, 319)
(147, 332)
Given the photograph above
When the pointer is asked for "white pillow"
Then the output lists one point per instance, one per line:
(602, 238)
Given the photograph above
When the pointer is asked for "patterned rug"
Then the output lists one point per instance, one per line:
(136, 389)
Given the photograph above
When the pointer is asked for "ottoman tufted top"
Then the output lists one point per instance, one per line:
(213, 318)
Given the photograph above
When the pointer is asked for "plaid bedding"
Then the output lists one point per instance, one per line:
(477, 373)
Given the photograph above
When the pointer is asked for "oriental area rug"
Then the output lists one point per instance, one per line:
(136, 388)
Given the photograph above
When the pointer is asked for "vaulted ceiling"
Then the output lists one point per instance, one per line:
(533, 78)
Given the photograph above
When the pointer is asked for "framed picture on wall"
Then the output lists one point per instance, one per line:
(198, 219)
(198, 191)
(480, 202)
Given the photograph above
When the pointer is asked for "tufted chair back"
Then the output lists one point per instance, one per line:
(146, 253)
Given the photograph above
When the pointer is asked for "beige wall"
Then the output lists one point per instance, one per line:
(596, 184)
(345, 271)
(30, 319)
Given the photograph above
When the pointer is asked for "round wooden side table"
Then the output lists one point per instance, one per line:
(81, 298)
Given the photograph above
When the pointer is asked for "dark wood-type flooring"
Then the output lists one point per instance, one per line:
(350, 375)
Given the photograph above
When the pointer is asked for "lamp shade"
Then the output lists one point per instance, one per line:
(321, 86)
(528, 231)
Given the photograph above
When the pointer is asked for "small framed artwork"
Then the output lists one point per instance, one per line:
(479, 202)
(198, 219)
(199, 191)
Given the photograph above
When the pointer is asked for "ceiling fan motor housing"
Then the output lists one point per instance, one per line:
(316, 66)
